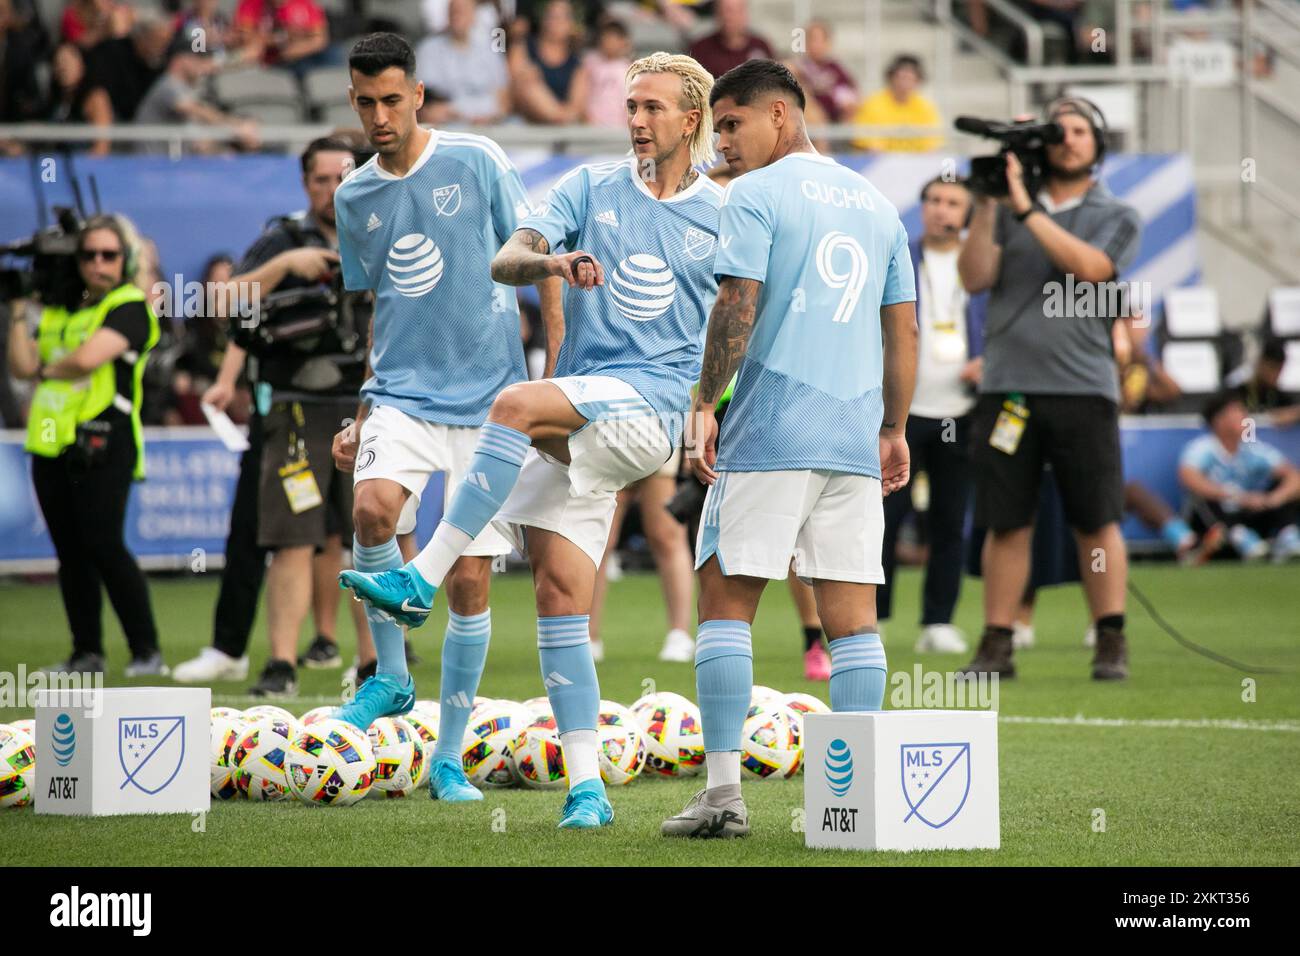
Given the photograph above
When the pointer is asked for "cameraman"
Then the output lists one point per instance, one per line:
(290, 500)
(1049, 392)
(88, 356)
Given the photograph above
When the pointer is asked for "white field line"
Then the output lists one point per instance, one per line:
(1174, 723)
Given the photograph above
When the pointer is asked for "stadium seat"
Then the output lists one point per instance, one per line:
(1284, 311)
(1192, 312)
(327, 85)
(271, 114)
(340, 114)
(1193, 365)
(257, 86)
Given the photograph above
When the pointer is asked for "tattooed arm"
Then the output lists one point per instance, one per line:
(525, 259)
(730, 326)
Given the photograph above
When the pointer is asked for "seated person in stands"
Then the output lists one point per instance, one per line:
(547, 80)
(1247, 485)
(466, 64)
(1144, 384)
(1260, 392)
(293, 34)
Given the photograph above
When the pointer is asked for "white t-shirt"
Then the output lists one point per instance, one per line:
(940, 392)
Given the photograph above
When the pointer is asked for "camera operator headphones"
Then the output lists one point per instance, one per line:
(126, 234)
(1090, 111)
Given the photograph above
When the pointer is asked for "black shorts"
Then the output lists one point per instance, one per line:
(1078, 435)
(297, 444)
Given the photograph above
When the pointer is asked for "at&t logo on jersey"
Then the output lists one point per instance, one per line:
(643, 287)
(414, 264)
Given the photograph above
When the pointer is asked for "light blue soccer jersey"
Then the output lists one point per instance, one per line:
(645, 324)
(830, 251)
(1250, 469)
(446, 336)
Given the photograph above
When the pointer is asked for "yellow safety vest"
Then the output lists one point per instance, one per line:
(59, 406)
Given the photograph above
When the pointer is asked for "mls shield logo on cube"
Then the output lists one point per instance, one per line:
(936, 781)
(151, 751)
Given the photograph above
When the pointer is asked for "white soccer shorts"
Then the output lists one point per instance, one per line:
(623, 442)
(829, 523)
(408, 450)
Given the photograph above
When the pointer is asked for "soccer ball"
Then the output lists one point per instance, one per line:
(487, 752)
(257, 759)
(219, 712)
(771, 743)
(761, 694)
(315, 714)
(538, 706)
(401, 758)
(425, 726)
(674, 739)
(621, 750)
(226, 732)
(330, 763)
(539, 758)
(275, 713)
(805, 704)
(430, 707)
(17, 766)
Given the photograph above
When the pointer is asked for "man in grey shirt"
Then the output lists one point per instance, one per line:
(174, 99)
(467, 64)
(1049, 393)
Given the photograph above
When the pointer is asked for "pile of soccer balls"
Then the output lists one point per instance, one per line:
(266, 753)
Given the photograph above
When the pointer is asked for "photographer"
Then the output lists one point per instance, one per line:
(1049, 392)
(88, 356)
(306, 350)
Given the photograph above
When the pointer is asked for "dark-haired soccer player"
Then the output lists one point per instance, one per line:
(419, 224)
(813, 272)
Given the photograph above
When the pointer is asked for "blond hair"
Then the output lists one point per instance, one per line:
(696, 84)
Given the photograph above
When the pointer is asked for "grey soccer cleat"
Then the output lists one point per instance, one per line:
(722, 817)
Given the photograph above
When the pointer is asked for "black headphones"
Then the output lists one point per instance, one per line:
(970, 197)
(1090, 111)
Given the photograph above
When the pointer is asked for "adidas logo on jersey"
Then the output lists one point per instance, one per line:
(478, 479)
(414, 265)
(608, 218)
(556, 679)
(643, 287)
(373, 223)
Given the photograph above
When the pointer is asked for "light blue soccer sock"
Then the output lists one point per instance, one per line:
(464, 652)
(857, 672)
(569, 673)
(1175, 531)
(390, 641)
(724, 681)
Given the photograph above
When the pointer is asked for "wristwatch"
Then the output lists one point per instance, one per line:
(1022, 216)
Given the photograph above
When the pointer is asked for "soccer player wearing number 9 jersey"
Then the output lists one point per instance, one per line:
(816, 306)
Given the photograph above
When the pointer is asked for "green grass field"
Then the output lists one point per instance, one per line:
(1185, 771)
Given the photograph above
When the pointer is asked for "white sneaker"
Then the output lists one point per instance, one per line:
(940, 639)
(210, 665)
(679, 647)
(1022, 635)
(1090, 637)
(597, 651)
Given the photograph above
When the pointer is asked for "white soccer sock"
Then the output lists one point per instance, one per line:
(580, 756)
(723, 767)
(444, 548)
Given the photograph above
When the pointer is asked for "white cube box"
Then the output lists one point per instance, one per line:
(902, 780)
(122, 750)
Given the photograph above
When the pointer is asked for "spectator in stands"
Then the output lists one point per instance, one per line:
(436, 14)
(607, 67)
(293, 34)
(467, 64)
(202, 27)
(547, 80)
(1144, 385)
(1247, 485)
(950, 323)
(733, 43)
(20, 94)
(900, 104)
(66, 102)
(1259, 392)
(1064, 13)
(119, 72)
(86, 23)
(1050, 390)
(822, 76)
(174, 99)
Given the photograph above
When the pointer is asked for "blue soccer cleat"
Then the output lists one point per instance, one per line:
(586, 807)
(401, 594)
(384, 695)
(448, 783)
